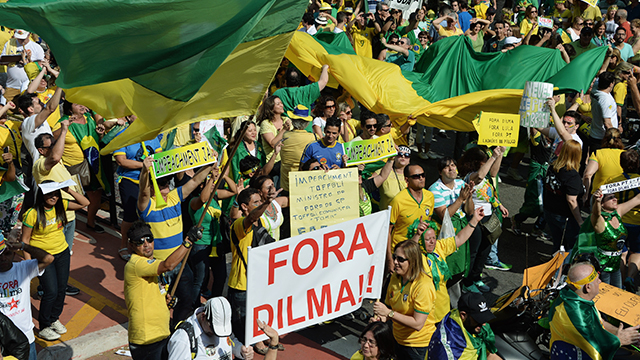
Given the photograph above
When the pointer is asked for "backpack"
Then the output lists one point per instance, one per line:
(193, 342)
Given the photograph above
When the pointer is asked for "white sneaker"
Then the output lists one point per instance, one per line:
(58, 327)
(433, 155)
(49, 334)
(423, 156)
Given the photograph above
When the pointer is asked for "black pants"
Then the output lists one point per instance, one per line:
(479, 248)
(219, 271)
(184, 292)
(154, 351)
(54, 284)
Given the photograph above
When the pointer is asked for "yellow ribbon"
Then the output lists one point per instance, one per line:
(584, 281)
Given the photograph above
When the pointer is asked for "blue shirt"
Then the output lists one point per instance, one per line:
(464, 18)
(326, 155)
(134, 152)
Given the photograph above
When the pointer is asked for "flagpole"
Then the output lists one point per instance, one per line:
(215, 188)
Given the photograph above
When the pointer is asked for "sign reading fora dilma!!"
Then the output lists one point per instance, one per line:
(534, 111)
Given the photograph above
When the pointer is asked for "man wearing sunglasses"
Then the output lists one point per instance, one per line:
(146, 294)
(409, 208)
(369, 125)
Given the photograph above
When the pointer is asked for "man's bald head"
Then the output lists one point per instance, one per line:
(578, 275)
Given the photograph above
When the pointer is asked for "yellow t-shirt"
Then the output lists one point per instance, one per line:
(390, 188)
(398, 137)
(633, 216)
(267, 127)
(72, 154)
(183, 135)
(525, 27)
(620, 92)
(446, 33)
(362, 40)
(405, 210)
(58, 173)
(238, 275)
(416, 296)
(608, 166)
(146, 301)
(590, 13)
(293, 144)
(566, 14)
(6, 130)
(50, 239)
(481, 10)
(357, 356)
(444, 248)
(353, 126)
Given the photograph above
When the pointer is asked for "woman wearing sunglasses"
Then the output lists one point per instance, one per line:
(43, 229)
(411, 296)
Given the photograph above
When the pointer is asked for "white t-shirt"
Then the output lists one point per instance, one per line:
(30, 133)
(337, 30)
(15, 299)
(209, 347)
(575, 36)
(16, 76)
(557, 140)
(320, 122)
(605, 107)
(312, 30)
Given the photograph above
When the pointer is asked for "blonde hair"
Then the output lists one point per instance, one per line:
(414, 255)
(569, 157)
(612, 139)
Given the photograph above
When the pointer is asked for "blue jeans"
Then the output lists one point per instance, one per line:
(33, 354)
(613, 278)
(54, 284)
(410, 353)
(238, 301)
(493, 255)
(558, 225)
(199, 263)
(69, 232)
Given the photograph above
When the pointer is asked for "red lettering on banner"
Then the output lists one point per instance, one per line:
(333, 248)
(256, 312)
(280, 312)
(296, 253)
(365, 244)
(325, 297)
(290, 320)
(276, 264)
(345, 287)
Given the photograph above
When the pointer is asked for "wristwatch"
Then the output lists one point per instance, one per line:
(273, 347)
(391, 314)
(187, 244)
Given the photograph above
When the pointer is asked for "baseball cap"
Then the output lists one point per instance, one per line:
(218, 312)
(139, 233)
(475, 305)
(21, 34)
(511, 40)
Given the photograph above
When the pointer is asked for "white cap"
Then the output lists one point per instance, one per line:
(218, 311)
(511, 40)
(21, 34)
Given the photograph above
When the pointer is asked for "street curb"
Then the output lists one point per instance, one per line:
(88, 345)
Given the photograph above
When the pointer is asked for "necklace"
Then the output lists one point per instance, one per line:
(271, 213)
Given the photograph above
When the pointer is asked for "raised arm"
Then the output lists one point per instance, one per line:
(144, 192)
(557, 122)
(324, 77)
(52, 105)
(55, 155)
(379, 179)
(43, 257)
(80, 202)
(196, 180)
(465, 233)
(255, 214)
(33, 85)
(396, 48)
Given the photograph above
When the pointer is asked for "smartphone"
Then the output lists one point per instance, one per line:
(6, 149)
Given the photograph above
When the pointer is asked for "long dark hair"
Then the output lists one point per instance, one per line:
(257, 182)
(472, 160)
(266, 111)
(384, 339)
(41, 216)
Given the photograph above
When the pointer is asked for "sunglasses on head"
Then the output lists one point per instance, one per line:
(400, 259)
(417, 176)
(141, 241)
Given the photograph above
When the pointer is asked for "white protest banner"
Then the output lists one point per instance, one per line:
(404, 5)
(534, 111)
(318, 199)
(620, 186)
(317, 276)
(205, 125)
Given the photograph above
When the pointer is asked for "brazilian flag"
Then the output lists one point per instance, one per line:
(577, 331)
(452, 341)
(88, 139)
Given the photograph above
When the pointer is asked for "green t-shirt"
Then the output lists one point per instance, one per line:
(210, 224)
(294, 96)
(405, 63)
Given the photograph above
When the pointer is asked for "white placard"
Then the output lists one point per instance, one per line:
(620, 186)
(316, 276)
(405, 5)
(534, 111)
(53, 186)
(205, 125)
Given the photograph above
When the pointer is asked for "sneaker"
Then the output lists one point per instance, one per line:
(58, 327)
(630, 285)
(498, 266)
(96, 228)
(48, 334)
(443, 134)
(541, 235)
(513, 173)
(423, 156)
(471, 288)
(72, 290)
(434, 156)
(482, 286)
(515, 227)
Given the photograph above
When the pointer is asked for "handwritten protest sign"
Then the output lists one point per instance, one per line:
(619, 304)
(317, 276)
(180, 159)
(533, 110)
(545, 23)
(496, 129)
(319, 199)
(370, 150)
(620, 186)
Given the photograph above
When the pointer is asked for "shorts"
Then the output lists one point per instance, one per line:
(129, 197)
(633, 238)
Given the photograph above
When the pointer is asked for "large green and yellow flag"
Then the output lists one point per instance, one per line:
(166, 61)
(450, 84)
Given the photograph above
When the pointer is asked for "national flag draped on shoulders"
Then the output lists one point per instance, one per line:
(166, 61)
(450, 84)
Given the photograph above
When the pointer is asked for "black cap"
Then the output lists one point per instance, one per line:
(491, 11)
(476, 306)
(138, 233)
